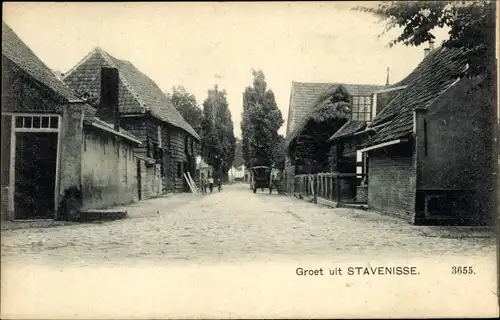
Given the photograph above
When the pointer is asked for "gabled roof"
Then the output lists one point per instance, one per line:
(434, 75)
(138, 92)
(303, 95)
(15, 50)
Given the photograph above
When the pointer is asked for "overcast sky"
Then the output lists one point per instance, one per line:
(190, 44)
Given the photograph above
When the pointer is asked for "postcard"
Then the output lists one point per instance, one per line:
(249, 160)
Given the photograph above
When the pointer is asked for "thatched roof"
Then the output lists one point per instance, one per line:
(333, 103)
(303, 95)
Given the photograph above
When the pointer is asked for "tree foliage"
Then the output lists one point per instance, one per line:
(471, 27)
(186, 103)
(238, 154)
(218, 141)
(279, 153)
(261, 120)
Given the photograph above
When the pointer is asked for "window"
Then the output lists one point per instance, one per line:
(186, 144)
(162, 169)
(361, 108)
(37, 122)
(125, 168)
(148, 148)
(159, 136)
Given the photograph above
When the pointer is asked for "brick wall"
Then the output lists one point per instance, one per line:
(456, 151)
(109, 170)
(392, 181)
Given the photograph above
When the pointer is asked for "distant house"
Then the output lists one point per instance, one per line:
(168, 147)
(237, 173)
(316, 111)
(430, 149)
(203, 170)
(58, 158)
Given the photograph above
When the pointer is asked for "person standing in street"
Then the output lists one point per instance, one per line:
(210, 183)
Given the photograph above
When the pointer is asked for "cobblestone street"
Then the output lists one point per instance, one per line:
(234, 225)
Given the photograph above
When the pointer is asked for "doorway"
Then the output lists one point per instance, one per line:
(35, 175)
(139, 187)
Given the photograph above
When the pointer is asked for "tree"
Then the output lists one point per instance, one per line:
(218, 140)
(186, 103)
(279, 153)
(261, 120)
(471, 24)
(238, 154)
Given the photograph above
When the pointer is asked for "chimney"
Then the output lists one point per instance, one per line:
(108, 110)
(431, 45)
(429, 49)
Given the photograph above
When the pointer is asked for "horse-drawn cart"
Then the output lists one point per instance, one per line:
(262, 177)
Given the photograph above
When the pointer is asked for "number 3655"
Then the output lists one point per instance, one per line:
(462, 270)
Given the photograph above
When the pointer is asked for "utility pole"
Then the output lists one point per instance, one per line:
(214, 106)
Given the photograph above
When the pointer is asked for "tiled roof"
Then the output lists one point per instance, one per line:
(138, 93)
(303, 95)
(435, 74)
(351, 127)
(14, 49)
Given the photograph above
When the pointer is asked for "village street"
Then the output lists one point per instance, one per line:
(235, 225)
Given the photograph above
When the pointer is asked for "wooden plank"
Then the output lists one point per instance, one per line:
(338, 189)
(189, 183)
(12, 168)
(331, 188)
(192, 182)
(311, 186)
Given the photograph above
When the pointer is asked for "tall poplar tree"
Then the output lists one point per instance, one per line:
(218, 140)
(261, 120)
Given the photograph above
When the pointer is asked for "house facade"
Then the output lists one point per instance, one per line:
(168, 142)
(430, 151)
(302, 98)
(345, 156)
(48, 163)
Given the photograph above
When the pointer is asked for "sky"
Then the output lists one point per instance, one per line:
(198, 45)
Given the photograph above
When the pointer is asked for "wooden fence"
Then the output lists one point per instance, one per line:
(337, 187)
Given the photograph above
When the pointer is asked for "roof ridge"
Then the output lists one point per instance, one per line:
(16, 56)
(338, 82)
(109, 59)
(82, 61)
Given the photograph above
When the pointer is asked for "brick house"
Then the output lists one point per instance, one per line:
(169, 143)
(430, 149)
(54, 156)
(302, 97)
